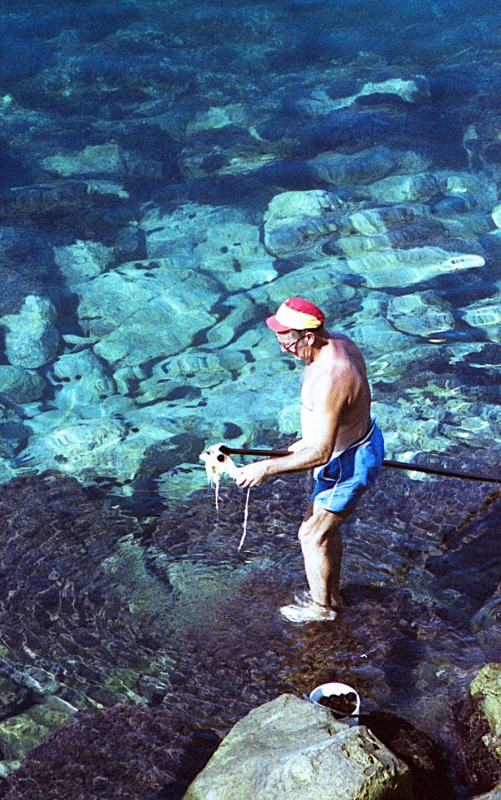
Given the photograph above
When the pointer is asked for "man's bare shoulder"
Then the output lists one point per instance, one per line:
(335, 367)
(343, 353)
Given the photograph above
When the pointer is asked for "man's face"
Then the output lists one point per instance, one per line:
(292, 342)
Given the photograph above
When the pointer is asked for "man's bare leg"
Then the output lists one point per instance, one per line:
(322, 547)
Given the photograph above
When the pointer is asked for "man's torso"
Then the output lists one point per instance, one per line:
(342, 361)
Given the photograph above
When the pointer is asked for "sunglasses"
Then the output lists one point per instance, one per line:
(289, 347)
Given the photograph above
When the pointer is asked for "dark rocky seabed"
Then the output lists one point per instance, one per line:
(119, 597)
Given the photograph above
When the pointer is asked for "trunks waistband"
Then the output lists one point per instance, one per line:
(365, 438)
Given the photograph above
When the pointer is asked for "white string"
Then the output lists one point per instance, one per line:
(216, 495)
(246, 516)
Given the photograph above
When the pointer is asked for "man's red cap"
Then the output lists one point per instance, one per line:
(296, 314)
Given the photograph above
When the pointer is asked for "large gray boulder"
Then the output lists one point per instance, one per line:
(290, 749)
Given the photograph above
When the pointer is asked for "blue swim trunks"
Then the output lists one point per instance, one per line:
(342, 482)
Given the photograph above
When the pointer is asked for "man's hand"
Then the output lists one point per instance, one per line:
(253, 474)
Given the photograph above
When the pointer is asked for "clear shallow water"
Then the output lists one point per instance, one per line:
(141, 146)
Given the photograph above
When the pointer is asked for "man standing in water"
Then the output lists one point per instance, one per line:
(338, 440)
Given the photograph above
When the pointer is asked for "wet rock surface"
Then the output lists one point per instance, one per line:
(98, 608)
(129, 750)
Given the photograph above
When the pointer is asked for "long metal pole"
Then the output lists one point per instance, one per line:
(467, 476)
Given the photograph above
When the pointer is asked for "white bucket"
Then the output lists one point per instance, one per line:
(329, 689)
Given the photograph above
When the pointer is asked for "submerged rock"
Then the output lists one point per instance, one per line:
(197, 369)
(290, 748)
(405, 267)
(324, 279)
(78, 605)
(485, 315)
(80, 380)
(294, 220)
(417, 234)
(419, 314)
(19, 384)
(320, 103)
(373, 221)
(129, 752)
(103, 159)
(32, 338)
(365, 167)
(233, 253)
(96, 446)
(82, 260)
(405, 188)
(146, 310)
(479, 190)
(21, 732)
(180, 233)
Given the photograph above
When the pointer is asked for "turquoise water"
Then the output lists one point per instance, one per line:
(170, 173)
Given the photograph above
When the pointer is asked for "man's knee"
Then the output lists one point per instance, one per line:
(321, 526)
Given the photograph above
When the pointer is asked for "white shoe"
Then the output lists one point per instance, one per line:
(303, 599)
(307, 612)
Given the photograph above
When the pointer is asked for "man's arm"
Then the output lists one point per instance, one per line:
(295, 446)
(330, 393)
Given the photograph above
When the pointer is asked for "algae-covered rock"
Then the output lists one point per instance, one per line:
(366, 166)
(102, 159)
(320, 103)
(405, 267)
(21, 732)
(19, 384)
(295, 220)
(405, 188)
(289, 748)
(180, 232)
(82, 260)
(126, 751)
(80, 380)
(145, 310)
(485, 315)
(419, 314)
(234, 254)
(32, 337)
(487, 685)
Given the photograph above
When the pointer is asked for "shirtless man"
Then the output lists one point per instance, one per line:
(339, 441)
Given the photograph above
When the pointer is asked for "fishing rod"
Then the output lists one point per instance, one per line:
(467, 476)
